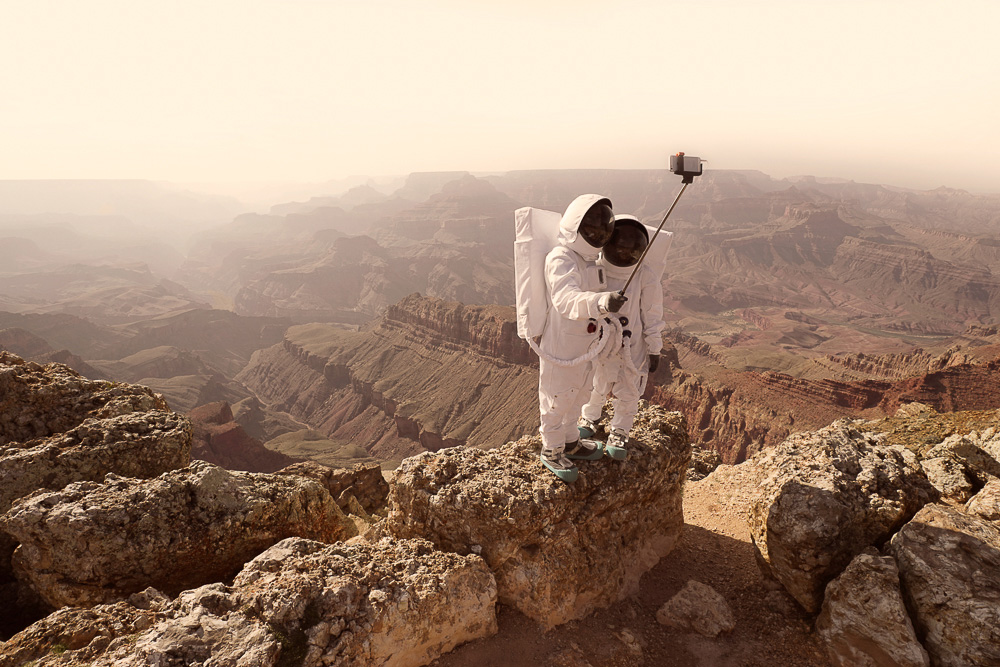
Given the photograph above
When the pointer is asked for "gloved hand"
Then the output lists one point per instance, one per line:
(654, 362)
(612, 302)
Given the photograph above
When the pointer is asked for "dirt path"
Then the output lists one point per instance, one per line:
(714, 549)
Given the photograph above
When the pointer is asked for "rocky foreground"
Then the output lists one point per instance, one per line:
(306, 566)
(878, 543)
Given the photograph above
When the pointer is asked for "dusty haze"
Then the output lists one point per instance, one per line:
(888, 92)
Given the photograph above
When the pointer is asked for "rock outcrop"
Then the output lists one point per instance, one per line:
(365, 483)
(37, 401)
(80, 635)
(828, 495)
(949, 567)
(91, 543)
(864, 620)
(57, 427)
(141, 444)
(986, 503)
(220, 440)
(300, 602)
(618, 519)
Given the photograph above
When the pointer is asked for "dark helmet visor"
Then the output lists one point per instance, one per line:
(627, 243)
(597, 224)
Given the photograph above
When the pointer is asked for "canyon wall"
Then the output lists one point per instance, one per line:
(429, 374)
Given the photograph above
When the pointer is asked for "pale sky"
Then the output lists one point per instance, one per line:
(898, 92)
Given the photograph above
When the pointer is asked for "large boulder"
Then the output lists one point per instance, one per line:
(91, 543)
(143, 444)
(298, 603)
(37, 401)
(78, 635)
(949, 566)
(986, 503)
(558, 550)
(825, 497)
(57, 427)
(864, 622)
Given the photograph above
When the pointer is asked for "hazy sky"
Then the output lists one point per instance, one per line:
(903, 92)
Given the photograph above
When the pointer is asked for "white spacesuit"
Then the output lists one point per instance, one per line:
(577, 296)
(642, 337)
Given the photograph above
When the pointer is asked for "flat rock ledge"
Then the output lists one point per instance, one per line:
(558, 551)
(827, 495)
(92, 543)
(399, 603)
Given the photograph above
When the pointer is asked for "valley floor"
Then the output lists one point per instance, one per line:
(714, 549)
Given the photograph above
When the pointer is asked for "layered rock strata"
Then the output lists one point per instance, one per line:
(864, 621)
(430, 374)
(220, 440)
(91, 543)
(826, 496)
(949, 567)
(298, 603)
(537, 534)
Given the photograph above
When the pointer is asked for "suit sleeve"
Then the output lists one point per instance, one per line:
(565, 283)
(651, 309)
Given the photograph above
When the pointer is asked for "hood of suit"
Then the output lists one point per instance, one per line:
(569, 226)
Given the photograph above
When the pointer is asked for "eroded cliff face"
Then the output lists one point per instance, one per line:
(429, 374)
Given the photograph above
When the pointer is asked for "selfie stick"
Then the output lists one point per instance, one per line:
(683, 166)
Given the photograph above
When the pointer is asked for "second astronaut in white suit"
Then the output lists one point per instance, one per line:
(624, 375)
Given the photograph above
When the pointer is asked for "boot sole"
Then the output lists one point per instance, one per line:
(569, 476)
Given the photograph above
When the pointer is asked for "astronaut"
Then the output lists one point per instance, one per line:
(576, 291)
(625, 374)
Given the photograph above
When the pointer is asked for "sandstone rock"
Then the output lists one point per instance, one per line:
(310, 604)
(83, 634)
(538, 534)
(138, 445)
(949, 477)
(57, 427)
(144, 444)
(913, 409)
(986, 503)
(864, 621)
(826, 496)
(364, 482)
(93, 543)
(949, 566)
(697, 607)
(37, 401)
(703, 462)
(980, 464)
